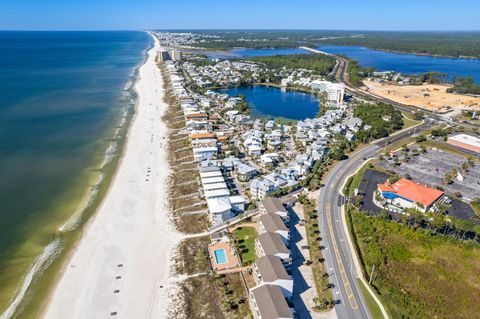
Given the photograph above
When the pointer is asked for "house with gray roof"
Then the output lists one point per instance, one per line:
(271, 244)
(267, 302)
(273, 223)
(270, 270)
(272, 205)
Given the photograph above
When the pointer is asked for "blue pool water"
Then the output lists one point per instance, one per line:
(220, 256)
(268, 101)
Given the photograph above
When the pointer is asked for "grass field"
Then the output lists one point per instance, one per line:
(408, 121)
(371, 303)
(246, 243)
(418, 274)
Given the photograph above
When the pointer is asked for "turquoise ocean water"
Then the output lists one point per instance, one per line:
(63, 97)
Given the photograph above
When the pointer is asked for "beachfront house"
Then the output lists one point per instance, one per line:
(205, 153)
(220, 209)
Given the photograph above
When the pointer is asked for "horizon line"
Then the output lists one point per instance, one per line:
(238, 29)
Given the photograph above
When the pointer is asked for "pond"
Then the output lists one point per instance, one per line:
(267, 101)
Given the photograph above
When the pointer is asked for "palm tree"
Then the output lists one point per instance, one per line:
(447, 178)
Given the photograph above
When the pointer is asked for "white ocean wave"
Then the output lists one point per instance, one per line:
(40, 264)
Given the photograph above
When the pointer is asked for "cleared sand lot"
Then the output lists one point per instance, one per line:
(432, 97)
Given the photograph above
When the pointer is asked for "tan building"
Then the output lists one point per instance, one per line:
(465, 141)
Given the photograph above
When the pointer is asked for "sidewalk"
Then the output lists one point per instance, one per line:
(304, 289)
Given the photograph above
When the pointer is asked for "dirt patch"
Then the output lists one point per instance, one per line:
(433, 97)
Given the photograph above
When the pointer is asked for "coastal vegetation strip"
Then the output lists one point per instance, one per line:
(186, 209)
(413, 275)
(191, 257)
(323, 286)
(214, 296)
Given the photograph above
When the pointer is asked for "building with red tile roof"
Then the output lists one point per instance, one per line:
(408, 194)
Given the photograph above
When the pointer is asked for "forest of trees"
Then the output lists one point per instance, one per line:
(356, 73)
(383, 119)
(322, 64)
(465, 86)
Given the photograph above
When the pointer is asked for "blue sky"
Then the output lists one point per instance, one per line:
(242, 14)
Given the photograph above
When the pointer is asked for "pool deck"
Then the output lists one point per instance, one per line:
(232, 260)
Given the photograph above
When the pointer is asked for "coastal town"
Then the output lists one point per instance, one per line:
(239, 173)
(254, 175)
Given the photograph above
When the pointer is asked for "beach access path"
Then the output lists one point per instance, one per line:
(121, 266)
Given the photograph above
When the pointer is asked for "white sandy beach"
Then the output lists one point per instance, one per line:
(131, 236)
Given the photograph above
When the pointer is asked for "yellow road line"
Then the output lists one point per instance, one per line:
(343, 274)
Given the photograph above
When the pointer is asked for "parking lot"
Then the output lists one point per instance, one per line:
(430, 168)
(371, 179)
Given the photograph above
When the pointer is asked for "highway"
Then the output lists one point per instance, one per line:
(340, 259)
(341, 76)
(338, 256)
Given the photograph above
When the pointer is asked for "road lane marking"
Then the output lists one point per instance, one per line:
(343, 275)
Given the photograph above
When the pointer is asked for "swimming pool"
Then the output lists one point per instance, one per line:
(220, 256)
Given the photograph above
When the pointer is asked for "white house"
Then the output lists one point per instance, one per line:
(205, 153)
(220, 209)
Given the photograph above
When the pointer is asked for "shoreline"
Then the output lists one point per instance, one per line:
(40, 279)
(84, 259)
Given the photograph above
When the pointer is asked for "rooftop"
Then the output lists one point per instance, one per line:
(270, 302)
(272, 223)
(273, 205)
(272, 243)
(271, 268)
(410, 190)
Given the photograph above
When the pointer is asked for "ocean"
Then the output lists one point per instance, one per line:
(65, 103)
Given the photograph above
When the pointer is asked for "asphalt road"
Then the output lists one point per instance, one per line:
(338, 257)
